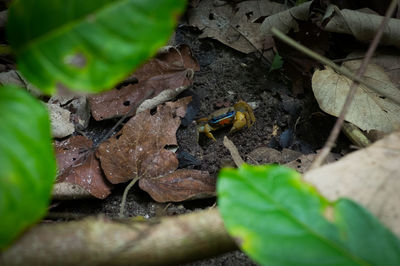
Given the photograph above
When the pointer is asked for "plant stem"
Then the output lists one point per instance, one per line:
(342, 70)
(123, 201)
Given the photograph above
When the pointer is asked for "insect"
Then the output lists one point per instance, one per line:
(240, 115)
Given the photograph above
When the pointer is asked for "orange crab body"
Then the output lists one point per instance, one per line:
(240, 115)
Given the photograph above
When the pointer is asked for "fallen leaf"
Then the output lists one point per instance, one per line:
(364, 26)
(389, 59)
(370, 176)
(369, 110)
(303, 162)
(171, 69)
(77, 106)
(287, 19)
(61, 125)
(13, 77)
(236, 25)
(183, 184)
(378, 6)
(78, 165)
(297, 65)
(139, 148)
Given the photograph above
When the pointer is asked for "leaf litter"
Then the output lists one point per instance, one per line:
(78, 165)
(369, 110)
(262, 132)
(140, 150)
(235, 25)
(370, 176)
(170, 69)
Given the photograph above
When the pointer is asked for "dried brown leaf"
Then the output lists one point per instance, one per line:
(389, 59)
(171, 69)
(78, 165)
(286, 20)
(370, 176)
(139, 148)
(364, 26)
(369, 110)
(234, 25)
(183, 184)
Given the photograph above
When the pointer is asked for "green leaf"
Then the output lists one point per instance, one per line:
(87, 45)
(277, 63)
(280, 220)
(27, 163)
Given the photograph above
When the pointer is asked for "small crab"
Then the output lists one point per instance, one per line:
(238, 116)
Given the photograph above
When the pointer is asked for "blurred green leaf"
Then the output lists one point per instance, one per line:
(27, 163)
(280, 220)
(277, 63)
(87, 45)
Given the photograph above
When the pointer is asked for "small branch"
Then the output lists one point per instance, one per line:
(355, 135)
(233, 151)
(360, 72)
(100, 241)
(123, 201)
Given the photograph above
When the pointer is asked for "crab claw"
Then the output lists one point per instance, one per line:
(239, 122)
(206, 129)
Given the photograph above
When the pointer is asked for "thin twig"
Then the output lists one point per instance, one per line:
(339, 122)
(233, 151)
(340, 60)
(341, 69)
(123, 202)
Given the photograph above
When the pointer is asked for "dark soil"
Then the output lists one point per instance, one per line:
(225, 77)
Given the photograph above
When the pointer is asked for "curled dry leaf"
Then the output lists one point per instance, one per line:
(139, 150)
(77, 105)
(370, 176)
(237, 26)
(364, 26)
(286, 20)
(369, 110)
(172, 69)
(78, 165)
(13, 77)
(61, 125)
(183, 184)
(389, 59)
(361, 25)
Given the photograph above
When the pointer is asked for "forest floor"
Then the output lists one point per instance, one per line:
(226, 76)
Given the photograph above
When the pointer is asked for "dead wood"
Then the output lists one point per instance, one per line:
(101, 241)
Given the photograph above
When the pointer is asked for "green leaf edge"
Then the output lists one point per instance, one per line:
(247, 238)
(27, 200)
(50, 88)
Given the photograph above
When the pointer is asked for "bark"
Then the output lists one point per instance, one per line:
(101, 241)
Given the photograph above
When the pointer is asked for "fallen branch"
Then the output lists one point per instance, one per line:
(100, 241)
